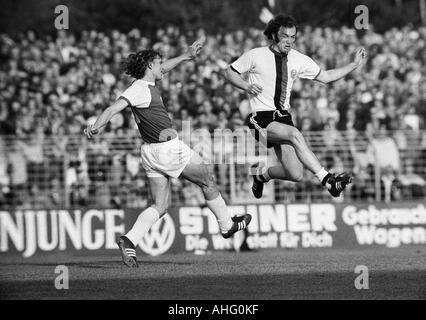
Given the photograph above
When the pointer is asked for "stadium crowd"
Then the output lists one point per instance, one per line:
(51, 87)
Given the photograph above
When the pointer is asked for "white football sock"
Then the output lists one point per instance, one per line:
(220, 210)
(265, 174)
(321, 174)
(143, 223)
(238, 240)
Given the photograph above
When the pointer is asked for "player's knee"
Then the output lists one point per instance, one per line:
(297, 175)
(209, 183)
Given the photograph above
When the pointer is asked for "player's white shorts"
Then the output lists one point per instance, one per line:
(165, 158)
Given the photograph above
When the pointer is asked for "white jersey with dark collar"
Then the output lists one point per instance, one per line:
(275, 73)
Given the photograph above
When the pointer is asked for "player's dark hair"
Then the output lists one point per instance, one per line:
(136, 63)
(281, 20)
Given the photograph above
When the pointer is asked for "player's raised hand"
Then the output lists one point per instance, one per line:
(360, 56)
(195, 49)
(254, 89)
(89, 132)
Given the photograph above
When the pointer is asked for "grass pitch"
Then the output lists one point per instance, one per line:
(276, 274)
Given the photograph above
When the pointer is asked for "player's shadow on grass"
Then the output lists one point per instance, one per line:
(97, 264)
(107, 264)
(147, 262)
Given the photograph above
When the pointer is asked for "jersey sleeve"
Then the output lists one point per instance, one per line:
(308, 68)
(137, 96)
(245, 63)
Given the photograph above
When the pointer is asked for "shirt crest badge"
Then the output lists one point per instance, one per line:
(293, 74)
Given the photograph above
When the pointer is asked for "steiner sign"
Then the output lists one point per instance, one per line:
(272, 226)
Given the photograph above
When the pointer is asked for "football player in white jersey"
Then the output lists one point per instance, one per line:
(271, 72)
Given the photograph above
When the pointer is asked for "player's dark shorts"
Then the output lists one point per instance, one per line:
(263, 118)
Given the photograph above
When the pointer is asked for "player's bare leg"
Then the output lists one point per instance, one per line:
(283, 134)
(160, 189)
(290, 169)
(199, 173)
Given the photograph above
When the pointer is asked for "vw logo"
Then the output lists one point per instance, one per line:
(159, 238)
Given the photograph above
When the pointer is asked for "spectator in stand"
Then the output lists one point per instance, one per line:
(412, 184)
(18, 174)
(33, 151)
(363, 169)
(4, 175)
(383, 153)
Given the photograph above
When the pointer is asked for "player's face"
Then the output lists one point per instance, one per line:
(156, 68)
(286, 38)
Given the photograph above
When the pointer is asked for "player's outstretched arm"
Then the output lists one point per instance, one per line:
(327, 76)
(105, 117)
(193, 51)
(236, 80)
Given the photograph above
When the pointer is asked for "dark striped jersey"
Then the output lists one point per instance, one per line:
(275, 73)
(149, 111)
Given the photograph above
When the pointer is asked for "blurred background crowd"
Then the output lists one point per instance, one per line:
(53, 85)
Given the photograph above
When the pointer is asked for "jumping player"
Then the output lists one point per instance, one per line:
(271, 73)
(163, 154)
